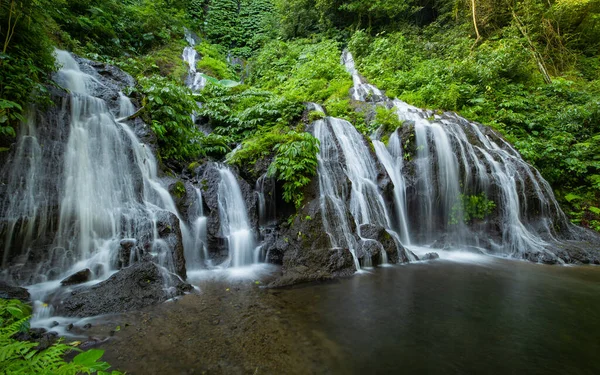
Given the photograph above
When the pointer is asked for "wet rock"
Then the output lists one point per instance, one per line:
(8, 291)
(307, 252)
(430, 256)
(169, 231)
(127, 248)
(380, 235)
(47, 340)
(44, 338)
(54, 324)
(69, 327)
(87, 326)
(79, 277)
(135, 287)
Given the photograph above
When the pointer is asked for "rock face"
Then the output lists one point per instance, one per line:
(305, 249)
(8, 291)
(169, 231)
(133, 288)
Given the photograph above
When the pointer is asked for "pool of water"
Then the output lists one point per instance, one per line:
(462, 314)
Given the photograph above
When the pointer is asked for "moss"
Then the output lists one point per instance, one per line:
(178, 189)
(193, 165)
(315, 115)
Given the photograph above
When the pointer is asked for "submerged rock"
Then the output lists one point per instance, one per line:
(78, 277)
(8, 291)
(133, 288)
(431, 256)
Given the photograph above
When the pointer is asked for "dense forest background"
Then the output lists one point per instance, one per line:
(530, 69)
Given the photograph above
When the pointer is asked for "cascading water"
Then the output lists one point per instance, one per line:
(103, 189)
(391, 159)
(196, 254)
(348, 183)
(453, 159)
(235, 225)
(195, 80)
(362, 91)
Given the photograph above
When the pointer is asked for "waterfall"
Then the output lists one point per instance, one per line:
(494, 169)
(196, 254)
(348, 183)
(235, 225)
(102, 189)
(362, 91)
(391, 159)
(453, 159)
(195, 80)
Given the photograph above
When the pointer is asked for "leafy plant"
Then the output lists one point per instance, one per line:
(294, 158)
(23, 357)
(168, 107)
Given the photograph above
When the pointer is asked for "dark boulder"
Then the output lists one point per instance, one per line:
(79, 277)
(8, 291)
(133, 288)
(306, 251)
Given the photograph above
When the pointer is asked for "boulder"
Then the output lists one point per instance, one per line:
(306, 252)
(79, 277)
(395, 251)
(431, 256)
(133, 288)
(8, 291)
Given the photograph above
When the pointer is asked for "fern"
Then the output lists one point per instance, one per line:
(23, 357)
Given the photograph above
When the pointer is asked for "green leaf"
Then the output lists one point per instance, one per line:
(89, 358)
(571, 197)
(595, 210)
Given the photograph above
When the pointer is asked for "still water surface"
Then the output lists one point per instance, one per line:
(462, 314)
(466, 314)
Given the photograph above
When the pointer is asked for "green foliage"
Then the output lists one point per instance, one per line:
(294, 162)
(213, 62)
(470, 208)
(240, 25)
(387, 119)
(315, 115)
(238, 112)
(26, 60)
(23, 357)
(112, 27)
(168, 108)
(302, 70)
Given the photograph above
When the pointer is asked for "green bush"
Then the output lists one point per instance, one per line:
(23, 357)
(302, 70)
(26, 60)
(238, 112)
(471, 208)
(294, 162)
(168, 107)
